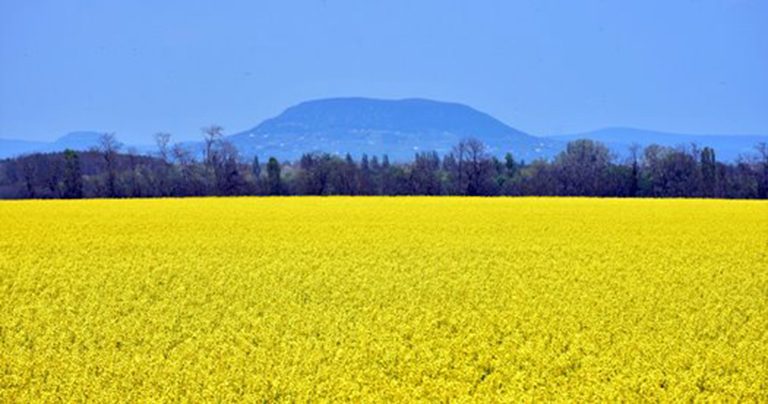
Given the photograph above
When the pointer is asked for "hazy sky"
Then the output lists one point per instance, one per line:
(136, 67)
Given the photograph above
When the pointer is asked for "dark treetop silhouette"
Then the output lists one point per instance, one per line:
(584, 168)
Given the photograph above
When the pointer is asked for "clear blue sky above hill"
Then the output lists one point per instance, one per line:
(137, 67)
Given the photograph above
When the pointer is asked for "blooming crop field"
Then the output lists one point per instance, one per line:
(383, 299)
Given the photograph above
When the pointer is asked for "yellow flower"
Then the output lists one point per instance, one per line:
(383, 299)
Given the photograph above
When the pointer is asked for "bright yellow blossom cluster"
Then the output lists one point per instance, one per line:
(383, 299)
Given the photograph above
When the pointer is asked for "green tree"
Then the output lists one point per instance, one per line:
(510, 164)
(273, 177)
(73, 178)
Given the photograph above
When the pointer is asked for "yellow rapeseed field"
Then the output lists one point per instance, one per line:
(383, 299)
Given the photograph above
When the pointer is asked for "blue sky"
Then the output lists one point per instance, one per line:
(545, 67)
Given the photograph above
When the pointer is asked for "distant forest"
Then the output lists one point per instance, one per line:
(584, 168)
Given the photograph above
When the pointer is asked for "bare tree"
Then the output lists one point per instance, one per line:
(211, 136)
(28, 174)
(582, 168)
(182, 155)
(109, 146)
(467, 163)
(424, 176)
(163, 140)
(477, 165)
(456, 162)
(762, 150)
(708, 172)
(634, 155)
(229, 178)
(186, 162)
(133, 174)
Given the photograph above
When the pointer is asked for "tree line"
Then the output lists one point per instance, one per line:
(584, 168)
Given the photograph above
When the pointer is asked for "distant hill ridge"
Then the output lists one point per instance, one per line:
(619, 139)
(81, 140)
(401, 128)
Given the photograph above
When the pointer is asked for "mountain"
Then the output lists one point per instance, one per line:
(727, 147)
(82, 140)
(15, 147)
(398, 128)
(401, 128)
